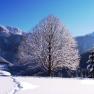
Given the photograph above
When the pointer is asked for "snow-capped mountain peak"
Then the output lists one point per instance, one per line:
(10, 30)
(3, 29)
(14, 30)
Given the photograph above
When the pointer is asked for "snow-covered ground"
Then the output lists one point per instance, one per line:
(6, 85)
(33, 85)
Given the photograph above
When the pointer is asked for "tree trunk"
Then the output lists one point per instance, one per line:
(49, 66)
(49, 58)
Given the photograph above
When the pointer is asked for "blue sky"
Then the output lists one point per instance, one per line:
(77, 15)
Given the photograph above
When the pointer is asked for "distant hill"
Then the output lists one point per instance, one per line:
(85, 43)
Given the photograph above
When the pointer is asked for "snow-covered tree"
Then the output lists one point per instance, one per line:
(50, 45)
(90, 66)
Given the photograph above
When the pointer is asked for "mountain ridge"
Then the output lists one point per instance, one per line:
(10, 30)
(85, 42)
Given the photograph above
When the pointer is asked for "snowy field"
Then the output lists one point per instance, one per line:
(33, 85)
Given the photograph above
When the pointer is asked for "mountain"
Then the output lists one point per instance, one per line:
(85, 43)
(10, 30)
(15, 31)
(10, 39)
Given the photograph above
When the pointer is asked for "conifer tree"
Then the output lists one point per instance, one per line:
(90, 66)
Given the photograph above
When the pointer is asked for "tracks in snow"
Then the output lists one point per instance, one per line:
(17, 86)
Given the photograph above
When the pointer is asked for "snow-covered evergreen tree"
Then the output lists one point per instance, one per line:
(50, 45)
(90, 66)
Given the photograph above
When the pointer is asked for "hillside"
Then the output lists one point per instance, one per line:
(10, 39)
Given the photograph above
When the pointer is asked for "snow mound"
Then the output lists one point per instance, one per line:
(4, 73)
